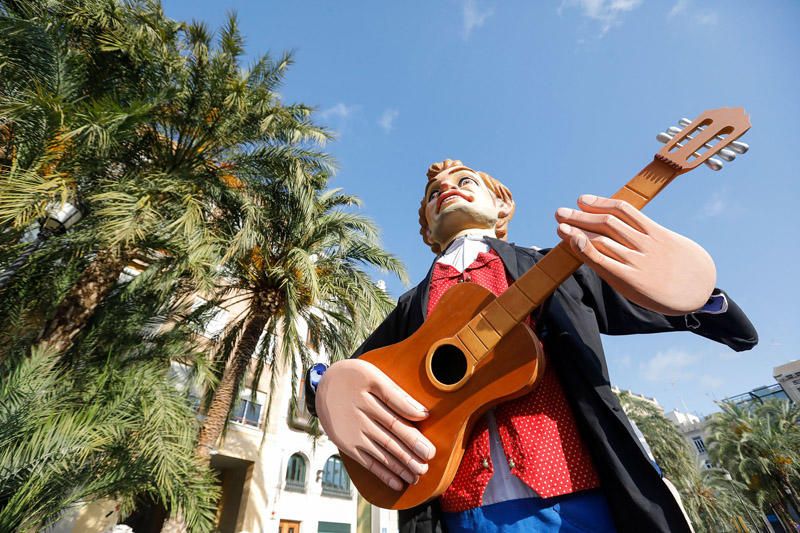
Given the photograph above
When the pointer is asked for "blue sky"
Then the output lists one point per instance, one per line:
(557, 99)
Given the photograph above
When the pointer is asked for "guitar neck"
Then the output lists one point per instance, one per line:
(484, 331)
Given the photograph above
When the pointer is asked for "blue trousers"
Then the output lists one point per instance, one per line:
(582, 512)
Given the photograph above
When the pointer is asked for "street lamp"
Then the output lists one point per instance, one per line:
(58, 219)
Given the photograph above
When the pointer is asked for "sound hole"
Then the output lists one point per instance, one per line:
(448, 364)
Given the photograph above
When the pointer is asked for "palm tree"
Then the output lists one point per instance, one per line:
(145, 123)
(670, 449)
(118, 430)
(715, 503)
(760, 445)
(300, 258)
(712, 502)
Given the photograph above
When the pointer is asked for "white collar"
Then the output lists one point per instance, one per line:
(463, 251)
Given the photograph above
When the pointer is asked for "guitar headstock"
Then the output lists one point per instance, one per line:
(707, 139)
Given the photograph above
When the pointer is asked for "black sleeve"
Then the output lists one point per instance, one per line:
(390, 331)
(618, 316)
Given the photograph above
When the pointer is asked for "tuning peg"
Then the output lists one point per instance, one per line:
(712, 162)
(727, 155)
(737, 146)
(663, 138)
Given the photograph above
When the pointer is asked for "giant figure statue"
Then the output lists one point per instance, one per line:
(564, 456)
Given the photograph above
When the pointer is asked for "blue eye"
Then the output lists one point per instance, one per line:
(433, 195)
(464, 180)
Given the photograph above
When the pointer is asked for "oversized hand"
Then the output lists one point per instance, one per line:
(645, 262)
(366, 415)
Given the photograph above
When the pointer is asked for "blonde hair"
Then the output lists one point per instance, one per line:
(498, 189)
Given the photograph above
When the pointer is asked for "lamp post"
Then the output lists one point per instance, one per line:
(729, 479)
(58, 219)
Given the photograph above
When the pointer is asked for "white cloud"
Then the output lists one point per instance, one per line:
(705, 17)
(387, 118)
(715, 205)
(607, 12)
(667, 366)
(341, 111)
(679, 7)
(474, 16)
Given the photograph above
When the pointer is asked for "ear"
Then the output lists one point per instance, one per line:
(503, 208)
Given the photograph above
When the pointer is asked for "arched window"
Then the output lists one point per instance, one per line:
(296, 472)
(334, 477)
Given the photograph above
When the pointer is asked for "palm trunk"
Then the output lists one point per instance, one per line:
(222, 402)
(75, 310)
(225, 394)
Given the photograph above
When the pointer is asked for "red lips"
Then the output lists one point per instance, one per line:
(448, 194)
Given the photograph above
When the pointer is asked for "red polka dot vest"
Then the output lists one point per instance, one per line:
(538, 432)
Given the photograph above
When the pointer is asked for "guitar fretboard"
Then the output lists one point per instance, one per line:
(498, 318)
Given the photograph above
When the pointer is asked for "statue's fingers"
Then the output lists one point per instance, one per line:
(581, 244)
(611, 248)
(603, 224)
(365, 454)
(619, 208)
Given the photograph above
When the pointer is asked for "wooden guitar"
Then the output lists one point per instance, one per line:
(475, 351)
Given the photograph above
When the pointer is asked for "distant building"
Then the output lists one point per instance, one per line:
(759, 395)
(648, 399)
(693, 430)
(691, 426)
(788, 377)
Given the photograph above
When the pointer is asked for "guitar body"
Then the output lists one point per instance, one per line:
(508, 371)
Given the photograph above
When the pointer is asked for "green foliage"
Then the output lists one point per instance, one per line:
(117, 430)
(144, 122)
(186, 163)
(670, 449)
(306, 263)
(712, 502)
(759, 444)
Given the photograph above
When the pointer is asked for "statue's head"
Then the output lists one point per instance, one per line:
(458, 199)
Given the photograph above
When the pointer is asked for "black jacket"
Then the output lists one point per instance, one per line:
(569, 324)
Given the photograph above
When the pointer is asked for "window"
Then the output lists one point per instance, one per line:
(296, 472)
(332, 527)
(334, 477)
(246, 412)
(699, 444)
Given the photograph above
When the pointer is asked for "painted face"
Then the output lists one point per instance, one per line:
(457, 201)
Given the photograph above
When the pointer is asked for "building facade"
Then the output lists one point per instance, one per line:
(277, 477)
(693, 430)
(788, 377)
